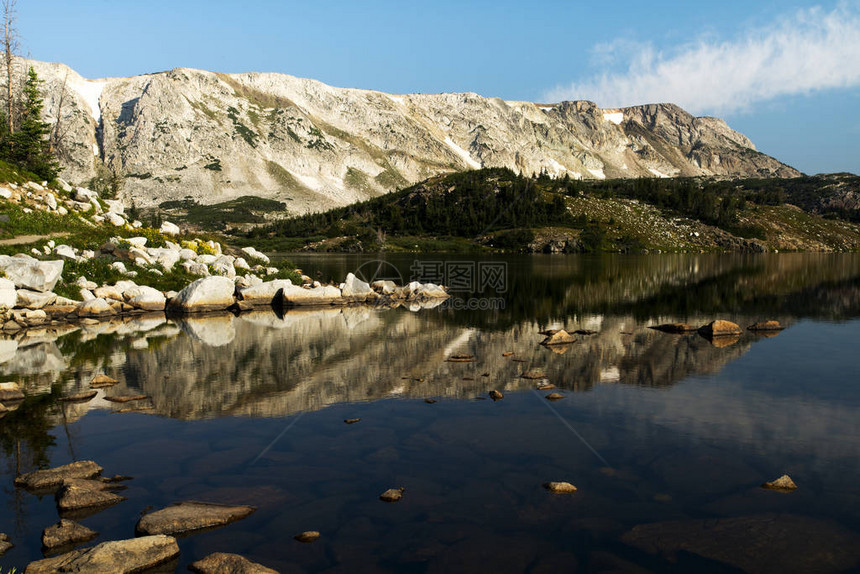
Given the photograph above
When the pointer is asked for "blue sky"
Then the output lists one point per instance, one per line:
(786, 73)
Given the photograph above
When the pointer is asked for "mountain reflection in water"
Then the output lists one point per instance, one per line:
(658, 390)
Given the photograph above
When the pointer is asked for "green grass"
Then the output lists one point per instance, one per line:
(245, 209)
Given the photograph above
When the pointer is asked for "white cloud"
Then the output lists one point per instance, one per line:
(812, 50)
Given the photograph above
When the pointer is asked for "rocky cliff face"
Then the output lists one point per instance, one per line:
(213, 137)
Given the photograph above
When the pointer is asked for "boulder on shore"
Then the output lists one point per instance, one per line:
(224, 563)
(29, 273)
(264, 293)
(190, 516)
(295, 296)
(214, 293)
(114, 557)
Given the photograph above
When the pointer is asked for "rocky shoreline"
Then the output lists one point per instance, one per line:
(236, 282)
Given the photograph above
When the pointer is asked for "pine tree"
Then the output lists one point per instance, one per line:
(30, 147)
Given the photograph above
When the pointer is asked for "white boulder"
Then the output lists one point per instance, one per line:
(169, 228)
(206, 294)
(29, 273)
(255, 255)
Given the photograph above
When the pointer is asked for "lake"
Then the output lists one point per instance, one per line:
(666, 437)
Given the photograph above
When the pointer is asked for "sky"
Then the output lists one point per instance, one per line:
(786, 73)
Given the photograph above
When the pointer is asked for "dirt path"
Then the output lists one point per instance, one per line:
(23, 239)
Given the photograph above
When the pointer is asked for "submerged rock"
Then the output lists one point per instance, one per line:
(308, 536)
(496, 395)
(392, 494)
(533, 374)
(80, 397)
(54, 477)
(766, 326)
(560, 337)
(675, 328)
(461, 358)
(781, 484)
(66, 532)
(351, 421)
(190, 516)
(115, 557)
(759, 544)
(720, 328)
(546, 387)
(554, 396)
(223, 563)
(559, 487)
(126, 398)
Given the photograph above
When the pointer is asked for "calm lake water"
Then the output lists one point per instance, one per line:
(667, 437)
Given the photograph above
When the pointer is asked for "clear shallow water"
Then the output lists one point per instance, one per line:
(654, 428)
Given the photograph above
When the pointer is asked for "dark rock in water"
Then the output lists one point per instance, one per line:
(65, 533)
(115, 557)
(81, 397)
(351, 421)
(520, 360)
(54, 477)
(559, 487)
(461, 358)
(126, 398)
(548, 332)
(429, 401)
(675, 328)
(757, 544)
(77, 493)
(720, 328)
(781, 484)
(561, 337)
(308, 536)
(766, 326)
(223, 563)
(116, 478)
(101, 381)
(190, 516)
(5, 543)
(584, 332)
(392, 495)
(485, 374)
(496, 395)
(554, 397)
(546, 387)
(507, 353)
(533, 374)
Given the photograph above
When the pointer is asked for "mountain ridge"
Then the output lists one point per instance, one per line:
(214, 137)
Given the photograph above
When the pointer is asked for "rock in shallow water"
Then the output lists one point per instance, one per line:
(66, 532)
(190, 516)
(115, 557)
(308, 536)
(392, 495)
(5, 543)
(782, 484)
(756, 544)
(77, 494)
(223, 563)
(559, 487)
(496, 395)
(720, 328)
(560, 337)
(101, 381)
(53, 477)
(674, 328)
(554, 397)
(766, 326)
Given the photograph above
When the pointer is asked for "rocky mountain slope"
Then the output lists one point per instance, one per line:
(214, 137)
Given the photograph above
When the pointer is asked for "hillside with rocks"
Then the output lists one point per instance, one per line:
(213, 137)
